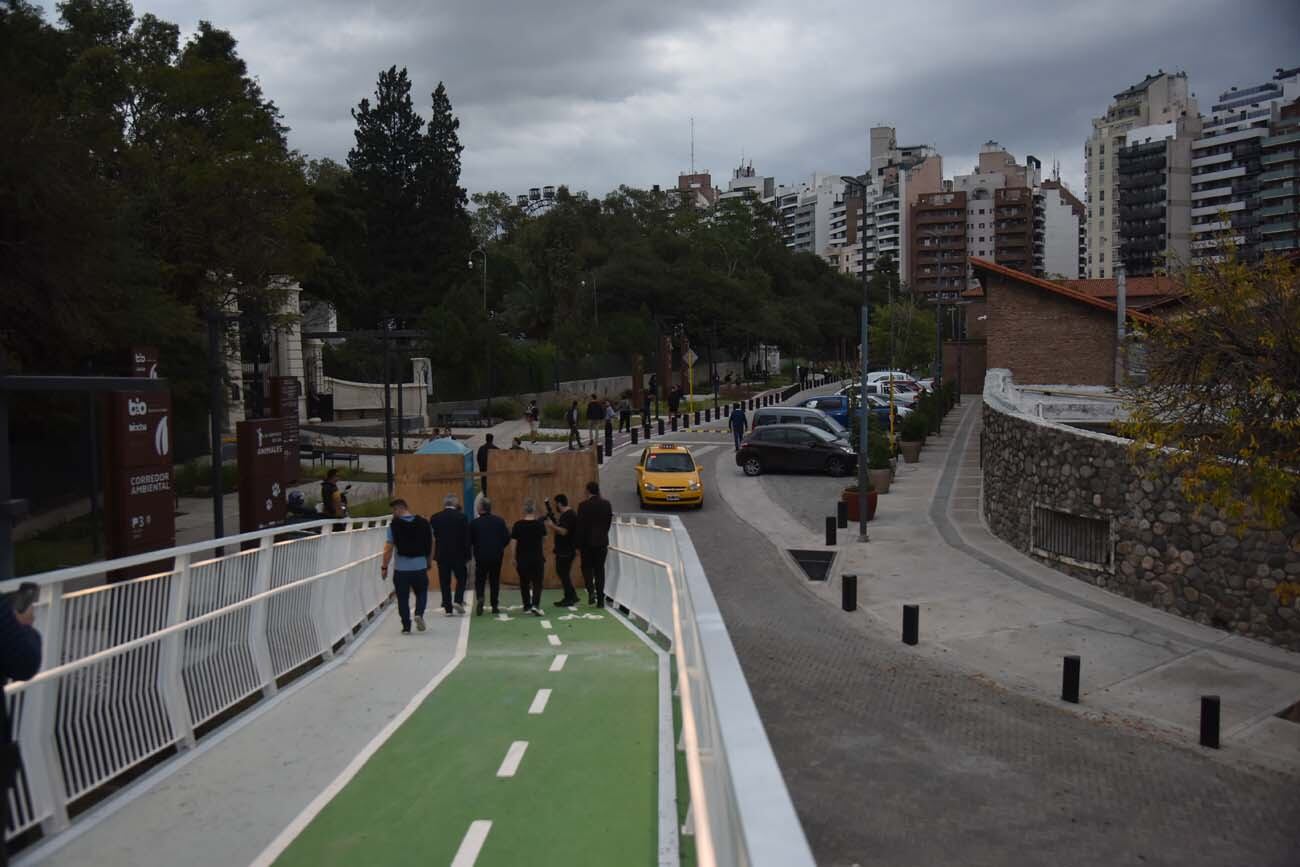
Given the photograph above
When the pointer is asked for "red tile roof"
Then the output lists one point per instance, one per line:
(1134, 287)
(1062, 289)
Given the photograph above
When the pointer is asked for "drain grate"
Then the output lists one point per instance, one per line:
(1291, 714)
(815, 564)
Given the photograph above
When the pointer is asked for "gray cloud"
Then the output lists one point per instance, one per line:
(594, 94)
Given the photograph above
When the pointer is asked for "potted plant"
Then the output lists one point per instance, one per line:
(850, 498)
(878, 464)
(912, 433)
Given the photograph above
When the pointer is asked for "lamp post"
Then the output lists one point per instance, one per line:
(479, 249)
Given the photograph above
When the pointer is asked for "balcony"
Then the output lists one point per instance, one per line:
(1279, 245)
(1145, 180)
(1278, 227)
(1273, 158)
(1141, 212)
(1286, 173)
(1278, 140)
(1277, 210)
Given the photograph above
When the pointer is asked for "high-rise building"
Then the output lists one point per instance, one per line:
(939, 242)
(1060, 232)
(1279, 183)
(1153, 200)
(1157, 99)
(696, 188)
(1227, 164)
(747, 184)
(897, 177)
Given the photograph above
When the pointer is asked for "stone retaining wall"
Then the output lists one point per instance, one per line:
(1163, 551)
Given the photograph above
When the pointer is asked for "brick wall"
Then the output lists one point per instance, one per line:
(1045, 338)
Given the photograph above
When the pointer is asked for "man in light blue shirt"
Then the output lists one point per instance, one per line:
(411, 538)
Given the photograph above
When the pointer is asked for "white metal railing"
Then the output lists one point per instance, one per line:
(742, 811)
(132, 668)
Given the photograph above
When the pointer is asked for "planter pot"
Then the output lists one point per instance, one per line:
(850, 498)
(880, 479)
(911, 451)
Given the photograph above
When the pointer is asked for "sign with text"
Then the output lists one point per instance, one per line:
(260, 453)
(285, 391)
(139, 496)
(144, 362)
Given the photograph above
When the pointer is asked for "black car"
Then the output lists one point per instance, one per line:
(795, 447)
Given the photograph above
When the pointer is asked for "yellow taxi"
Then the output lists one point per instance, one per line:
(668, 475)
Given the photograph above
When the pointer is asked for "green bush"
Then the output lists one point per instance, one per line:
(505, 408)
(193, 475)
(553, 414)
(878, 451)
(915, 427)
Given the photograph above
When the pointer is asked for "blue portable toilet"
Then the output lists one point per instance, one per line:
(449, 446)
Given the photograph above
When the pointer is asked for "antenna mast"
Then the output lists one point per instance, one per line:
(692, 145)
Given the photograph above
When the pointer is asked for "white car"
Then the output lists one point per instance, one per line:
(892, 375)
(902, 395)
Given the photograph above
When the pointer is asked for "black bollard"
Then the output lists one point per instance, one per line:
(708, 415)
(830, 530)
(842, 514)
(661, 427)
(609, 440)
(911, 624)
(849, 592)
(1210, 721)
(600, 454)
(697, 418)
(674, 424)
(1070, 680)
(633, 436)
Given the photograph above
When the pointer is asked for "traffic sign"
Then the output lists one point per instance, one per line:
(689, 357)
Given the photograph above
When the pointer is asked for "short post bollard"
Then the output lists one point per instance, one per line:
(1070, 680)
(600, 454)
(842, 514)
(697, 418)
(1210, 721)
(633, 436)
(646, 432)
(674, 424)
(661, 427)
(708, 414)
(849, 592)
(911, 624)
(830, 530)
(609, 441)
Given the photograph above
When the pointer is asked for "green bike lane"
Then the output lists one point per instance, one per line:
(585, 790)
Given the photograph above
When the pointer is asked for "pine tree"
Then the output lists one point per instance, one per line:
(447, 235)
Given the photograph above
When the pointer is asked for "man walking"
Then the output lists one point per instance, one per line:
(572, 418)
(530, 558)
(483, 452)
(624, 416)
(594, 518)
(409, 535)
(451, 551)
(488, 538)
(739, 423)
(595, 416)
(566, 534)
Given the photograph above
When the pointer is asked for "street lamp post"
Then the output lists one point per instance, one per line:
(483, 253)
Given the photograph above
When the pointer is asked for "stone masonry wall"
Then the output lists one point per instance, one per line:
(1166, 553)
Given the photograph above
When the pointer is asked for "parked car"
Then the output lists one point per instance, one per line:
(890, 375)
(795, 448)
(668, 475)
(903, 394)
(799, 415)
(840, 407)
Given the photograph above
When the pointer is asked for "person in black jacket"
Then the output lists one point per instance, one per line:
(451, 552)
(565, 526)
(484, 452)
(488, 538)
(530, 557)
(409, 535)
(20, 658)
(595, 416)
(595, 516)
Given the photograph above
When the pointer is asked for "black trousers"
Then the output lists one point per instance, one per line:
(487, 572)
(593, 571)
(406, 583)
(624, 420)
(530, 582)
(445, 571)
(563, 566)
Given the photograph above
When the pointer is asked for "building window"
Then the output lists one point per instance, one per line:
(1103, 210)
(1102, 194)
(1101, 149)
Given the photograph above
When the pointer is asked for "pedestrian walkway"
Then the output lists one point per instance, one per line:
(993, 611)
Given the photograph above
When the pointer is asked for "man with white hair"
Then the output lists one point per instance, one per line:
(488, 538)
(451, 552)
(530, 558)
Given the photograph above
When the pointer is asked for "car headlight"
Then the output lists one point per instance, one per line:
(649, 486)
(693, 486)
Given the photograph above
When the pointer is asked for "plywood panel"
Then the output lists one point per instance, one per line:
(423, 480)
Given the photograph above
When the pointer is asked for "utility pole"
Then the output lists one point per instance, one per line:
(863, 406)
(1121, 303)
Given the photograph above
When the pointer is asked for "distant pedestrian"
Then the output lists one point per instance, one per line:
(572, 418)
(488, 538)
(624, 415)
(530, 557)
(739, 423)
(332, 501)
(595, 516)
(534, 415)
(674, 401)
(483, 453)
(409, 535)
(610, 415)
(566, 534)
(595, 415)
(451, 553)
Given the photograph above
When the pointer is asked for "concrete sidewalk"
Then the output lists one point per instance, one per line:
(1003, 616)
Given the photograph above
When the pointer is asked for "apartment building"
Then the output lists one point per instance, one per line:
(1279, 183)
(1227, 165)
(1153, 199)
(748, 185)
(1157, 99)
(1060, 232)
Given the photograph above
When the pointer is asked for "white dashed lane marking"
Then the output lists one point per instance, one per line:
(475, 837)
(539, 701)
(514, 756)
(557, 664)
(553, 638)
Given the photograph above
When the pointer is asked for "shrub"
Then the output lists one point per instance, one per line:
(505, 408)
(553, 413)
(915, 427)
(878, 452)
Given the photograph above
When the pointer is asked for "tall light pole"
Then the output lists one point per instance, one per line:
(595, 301)
(479, 249)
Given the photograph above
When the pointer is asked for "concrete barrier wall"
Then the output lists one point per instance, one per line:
(1163, 550)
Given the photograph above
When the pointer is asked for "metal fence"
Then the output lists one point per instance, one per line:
(132, 668)
(741, 809)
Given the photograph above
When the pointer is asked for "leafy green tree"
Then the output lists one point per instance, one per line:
(904, 332)
(445, 226)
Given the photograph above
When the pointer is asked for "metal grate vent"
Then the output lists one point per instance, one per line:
(1077, 539)
(815, 564)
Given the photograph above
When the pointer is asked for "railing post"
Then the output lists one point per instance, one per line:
(44, 770)
(257, 637)
(171, 684)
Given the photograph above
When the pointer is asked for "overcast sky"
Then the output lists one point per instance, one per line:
(597, 93)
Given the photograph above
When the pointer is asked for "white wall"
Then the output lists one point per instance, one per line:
(1060, 236)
